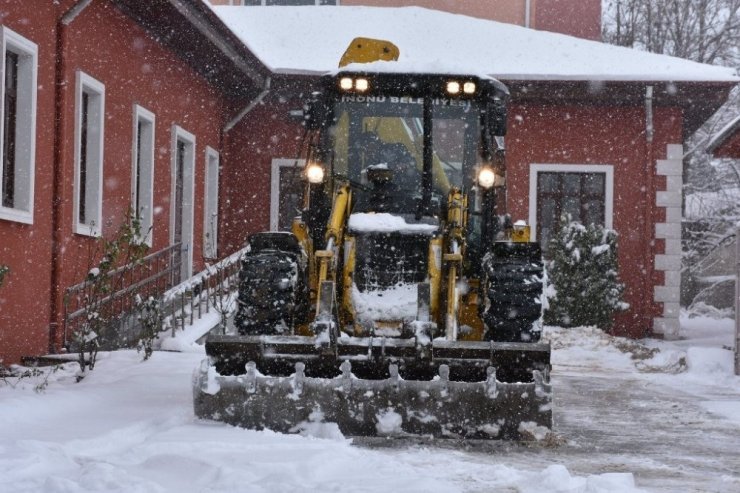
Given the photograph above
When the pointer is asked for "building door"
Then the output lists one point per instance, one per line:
(286, 193)
(210, 206)
(182, 201)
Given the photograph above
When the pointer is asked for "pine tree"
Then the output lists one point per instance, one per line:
(584, 274)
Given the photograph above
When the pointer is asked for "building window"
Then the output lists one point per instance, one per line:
(18, 69)
(142, 166)
(286, 193)
(583, 191)
(284, 2)
(210, 209)
(89, 123)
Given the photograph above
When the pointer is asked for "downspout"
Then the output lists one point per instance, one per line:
(60, 149)
(650, 195)
(527, 12)
(649, 129)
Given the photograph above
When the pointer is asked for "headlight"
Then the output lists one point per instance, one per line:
(315, 173)
(469, 87)
(362, 85)
(345, 83)
(486, 177)
(453, 87)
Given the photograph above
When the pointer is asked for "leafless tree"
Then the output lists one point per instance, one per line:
(706, 31)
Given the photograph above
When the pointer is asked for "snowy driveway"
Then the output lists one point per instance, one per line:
(667, 440)
(129, 427)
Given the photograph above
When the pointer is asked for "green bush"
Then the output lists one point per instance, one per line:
(149, 313)
(583, 274)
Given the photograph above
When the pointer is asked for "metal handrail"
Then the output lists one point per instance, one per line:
(160, 265)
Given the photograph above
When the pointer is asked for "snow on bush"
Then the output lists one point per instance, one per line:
(583, 275)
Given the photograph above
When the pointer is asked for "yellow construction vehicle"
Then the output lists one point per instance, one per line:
(403, 301)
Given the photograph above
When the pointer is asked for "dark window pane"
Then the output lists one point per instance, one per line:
(84, 122)
(10, 118)
(593, 183)
(138, 205)
(251, 2)
(572, 183)
(593, 212)
(327, 2)
(179, 190)
(548, 212)
(548, 182)
(572, 206)
(545, 236)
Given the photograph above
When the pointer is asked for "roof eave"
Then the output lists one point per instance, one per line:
(238, 71)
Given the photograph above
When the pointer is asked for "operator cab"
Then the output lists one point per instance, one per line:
(403, 141)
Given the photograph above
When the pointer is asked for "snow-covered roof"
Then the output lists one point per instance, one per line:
(311, 40)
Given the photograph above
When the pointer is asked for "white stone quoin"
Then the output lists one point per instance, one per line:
(669, 261)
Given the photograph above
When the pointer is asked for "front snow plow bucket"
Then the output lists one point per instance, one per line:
(475, 405)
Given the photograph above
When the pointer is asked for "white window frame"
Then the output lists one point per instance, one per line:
(607, 169)
(27, 52)
(96, 91)
(210, 204)
(277, 165)
(188, 194)
(146, 216)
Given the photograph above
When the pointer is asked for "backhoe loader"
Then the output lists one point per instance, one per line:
(404, 301)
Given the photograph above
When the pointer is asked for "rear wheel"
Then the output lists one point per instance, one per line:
(513, 291)
(273, 295)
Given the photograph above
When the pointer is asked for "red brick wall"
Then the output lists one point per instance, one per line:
(110, 47)
(262, 135)
(581, 18)
(135, 69)
(602, 135)
(26, 248)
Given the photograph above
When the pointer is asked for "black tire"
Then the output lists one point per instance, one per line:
(273, 295)
(513, 292)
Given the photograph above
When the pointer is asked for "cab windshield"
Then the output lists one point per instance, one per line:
(387, 132)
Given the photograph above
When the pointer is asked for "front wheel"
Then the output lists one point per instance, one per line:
(513, 292)
(273, 289)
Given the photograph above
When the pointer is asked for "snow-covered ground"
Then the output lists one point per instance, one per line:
(633, 416)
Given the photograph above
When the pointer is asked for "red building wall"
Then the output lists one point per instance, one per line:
(135, 69)
(109, 46)
(261, 136)
(580, 18)
(24, 296)
(550, 134)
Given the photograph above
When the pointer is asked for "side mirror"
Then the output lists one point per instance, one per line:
(316, 113)
(496, 115)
